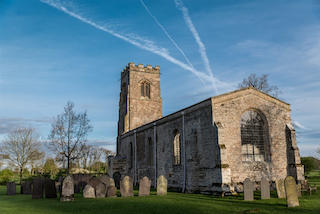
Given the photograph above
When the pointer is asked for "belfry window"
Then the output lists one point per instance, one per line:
(145, 89)
(253, 137)
(176, 149)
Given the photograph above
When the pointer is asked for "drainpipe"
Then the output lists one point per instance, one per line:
(135, 157)
(184, 154)
(155, 153)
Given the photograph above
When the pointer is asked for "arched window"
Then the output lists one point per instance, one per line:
(145, 89)
(253, 137)
(150, 152)
(176, 149)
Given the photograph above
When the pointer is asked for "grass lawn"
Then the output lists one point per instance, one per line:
(171, 203)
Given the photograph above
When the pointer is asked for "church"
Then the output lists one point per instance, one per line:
(209, 147)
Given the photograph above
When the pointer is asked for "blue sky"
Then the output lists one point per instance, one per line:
(54, 51)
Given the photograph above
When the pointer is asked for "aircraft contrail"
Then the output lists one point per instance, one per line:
(202, 49)
(149, 45)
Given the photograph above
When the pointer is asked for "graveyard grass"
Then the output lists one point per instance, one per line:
(171, 203)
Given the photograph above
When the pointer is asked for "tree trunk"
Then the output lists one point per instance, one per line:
(68, 165)
(21, 170)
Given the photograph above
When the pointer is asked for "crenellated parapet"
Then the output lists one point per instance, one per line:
(140, 68)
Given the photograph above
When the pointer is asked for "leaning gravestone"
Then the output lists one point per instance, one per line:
(77, 182)
(281, 192)
(299, 190)
(105, 179)
(144, 186)
(67, 193)
(50, 189)
(248, 189)
(101, 190)
(162, 185)
(26, 188)
(117, 177)
(265, 189)
(291, 192)
(111, 192)
(94, 181)
(38, 186)
(126, 187)
(11, 188)
(88, 191)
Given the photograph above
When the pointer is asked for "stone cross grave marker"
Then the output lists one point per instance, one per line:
(50, 189)
(105, 179)
(94, 181)
(111, 192)
(248, 189)
(144, 186)
(67, 189)
(11, 188)
(265, 188)
(126, 187)
(38, 186)
(26, 188)
(101, 190)
(291, 192)
(88, 191)
(281, 192)
(162, 185)
(117, 177)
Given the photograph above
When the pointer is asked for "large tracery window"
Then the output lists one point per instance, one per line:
(145, 89)
(253, 137)
(176, 149)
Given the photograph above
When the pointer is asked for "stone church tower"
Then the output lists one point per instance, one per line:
(140, 97)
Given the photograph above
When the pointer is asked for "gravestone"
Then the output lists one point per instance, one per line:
(11, 188)
(248, 189)
(117, 177)
(126, 187)
(94, 181)
(67, 193)
(144, 186)
(112, 182)
(101, 190)
(265, 189)
(88, 191)
(111, 192)
(291, 192)
(281, 192)
(38, 186)
(162, 185)
(26, 188)
(77, 182)
(84, 180)
(299, 190)
(50, 189)
(105, 179)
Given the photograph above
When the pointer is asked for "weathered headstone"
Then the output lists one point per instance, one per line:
(112, 182)
(67, 193)
(248, 189)
(291, 192)
(144, 186)
(77, 182)
(299, 190)
(117, 177)
(265, 189)
(281, 192)
(162, 185)
(126, 187)
(26, 188)
(105, 179)
(88, 191)
(38, 186)
(11, 188)
(101, 190)
(50, 189)
(94, 181)
(111, 191)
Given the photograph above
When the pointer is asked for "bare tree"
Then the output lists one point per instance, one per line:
(21, 146)
(69, 133)
(260, 83)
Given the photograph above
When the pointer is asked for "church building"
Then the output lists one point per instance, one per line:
(209, 147)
